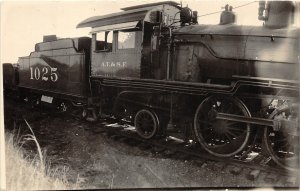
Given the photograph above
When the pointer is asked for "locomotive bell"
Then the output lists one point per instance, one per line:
(185, 15)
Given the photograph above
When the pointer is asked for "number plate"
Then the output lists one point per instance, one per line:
(46, 99)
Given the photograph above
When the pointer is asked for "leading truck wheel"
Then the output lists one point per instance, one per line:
(219, 137)
(283, 146)
(146, 123)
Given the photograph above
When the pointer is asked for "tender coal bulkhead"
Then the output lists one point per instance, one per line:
(57, 71)
(226, 87)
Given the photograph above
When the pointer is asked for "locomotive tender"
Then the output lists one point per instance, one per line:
(220, 85)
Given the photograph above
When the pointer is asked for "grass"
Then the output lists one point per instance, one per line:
(24, 172)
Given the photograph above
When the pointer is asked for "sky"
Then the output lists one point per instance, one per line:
(24, 23)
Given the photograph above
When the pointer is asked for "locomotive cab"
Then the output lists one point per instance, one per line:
(125, 45)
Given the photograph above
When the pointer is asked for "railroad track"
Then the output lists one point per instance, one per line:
(259, 167)
(253, 168)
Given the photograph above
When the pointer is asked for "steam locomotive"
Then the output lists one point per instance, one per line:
(224, 86)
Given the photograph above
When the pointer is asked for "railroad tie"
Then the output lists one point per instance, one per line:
(265, 160)
(98, 130)
(169, 152)
(204, 165)
(198, 162)
(133, 142)
(116, 137)
(158, 149)
(253, 174)
(124, 139)
(145, 146)
(183, 156)
(236, 170)
(290, 181)
(271, 177)
(218, 166)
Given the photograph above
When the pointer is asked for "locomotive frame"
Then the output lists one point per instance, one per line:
(173, 74)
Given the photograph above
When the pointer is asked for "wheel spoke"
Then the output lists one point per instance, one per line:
(229, 108)
(206, 129)
(228, 137)
(210, 133)
(206, 122)
(232, 134)
(231, 123)
(235, 129)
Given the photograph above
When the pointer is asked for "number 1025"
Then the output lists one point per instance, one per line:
(44, 74)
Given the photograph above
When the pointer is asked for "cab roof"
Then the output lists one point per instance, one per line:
(129, 14)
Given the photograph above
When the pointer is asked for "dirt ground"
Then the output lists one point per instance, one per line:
(95, 161)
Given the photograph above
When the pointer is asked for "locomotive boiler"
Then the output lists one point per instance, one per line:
(224, 86)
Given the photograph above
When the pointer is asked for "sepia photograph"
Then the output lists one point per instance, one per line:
(150, 94)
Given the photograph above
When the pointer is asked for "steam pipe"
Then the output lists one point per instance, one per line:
(169, 54)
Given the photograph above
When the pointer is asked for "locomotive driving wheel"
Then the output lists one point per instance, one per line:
(219, 137)
(282, 146)
(146, 123)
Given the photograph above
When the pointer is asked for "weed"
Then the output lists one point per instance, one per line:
(26, 173)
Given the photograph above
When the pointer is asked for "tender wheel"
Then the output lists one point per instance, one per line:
(221, 138)
(146, 123)
(282, 146)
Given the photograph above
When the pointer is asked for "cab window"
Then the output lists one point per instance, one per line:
(104, 41)
(126, 40)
